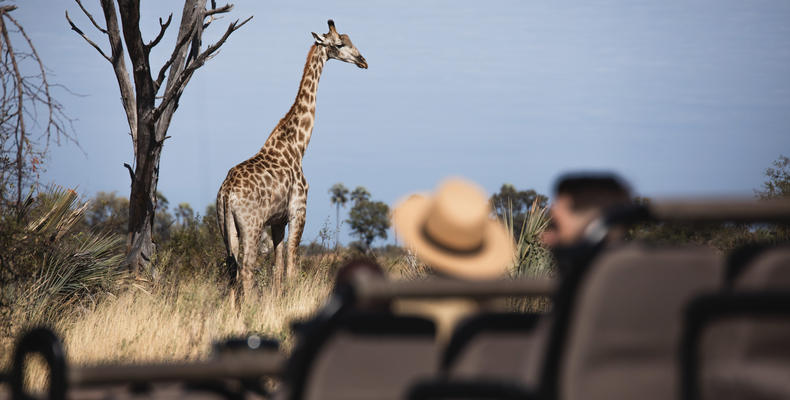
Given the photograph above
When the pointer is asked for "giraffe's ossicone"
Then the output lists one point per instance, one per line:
(269, 189)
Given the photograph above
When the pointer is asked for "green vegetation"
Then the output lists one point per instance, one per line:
(368, 219)
(49, 268)
(513, 206)
(726, 236)
(531, 257)
(777, 183)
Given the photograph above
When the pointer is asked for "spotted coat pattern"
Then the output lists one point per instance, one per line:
(269, 189)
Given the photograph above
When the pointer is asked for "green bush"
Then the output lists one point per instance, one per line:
(48, 265)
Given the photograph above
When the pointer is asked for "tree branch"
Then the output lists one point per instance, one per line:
(20, 120)
(131, 171)
(161, 76)
(119, 67)
(87, 39)
(93, 21)
(176, 89)
(138, 56)
(191, 17)
(214, 10)
(52, 106)
(162, 29)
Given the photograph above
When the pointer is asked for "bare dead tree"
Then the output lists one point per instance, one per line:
(148, 118)
(29, 115)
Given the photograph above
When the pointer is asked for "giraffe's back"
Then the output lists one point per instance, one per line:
(261, 185)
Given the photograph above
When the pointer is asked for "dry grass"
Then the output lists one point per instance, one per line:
(179, 321)
(180, 317)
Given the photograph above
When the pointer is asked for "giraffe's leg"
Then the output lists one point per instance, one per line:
(265, 244)
(234, 234)
(295, 229)
(278, 233)
(250, 238)
(231, 235)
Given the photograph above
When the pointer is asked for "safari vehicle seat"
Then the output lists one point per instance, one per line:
(740, 341)
(615, 329)
(735, 346)
(624, 336)
(360, 355)
(496, 345)
(759, 267)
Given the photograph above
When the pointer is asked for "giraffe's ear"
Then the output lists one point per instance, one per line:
(319, 38)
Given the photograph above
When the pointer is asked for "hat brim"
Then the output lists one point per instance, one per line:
(491, 261)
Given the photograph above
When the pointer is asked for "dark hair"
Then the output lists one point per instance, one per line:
(593, 190)
(346, 273)
(344, 281)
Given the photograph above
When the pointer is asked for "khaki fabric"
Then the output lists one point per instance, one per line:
(445, 313)
(625, 329)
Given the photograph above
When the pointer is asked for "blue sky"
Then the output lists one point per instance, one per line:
(682, 98)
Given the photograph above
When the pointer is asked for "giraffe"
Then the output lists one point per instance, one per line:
(269, 189)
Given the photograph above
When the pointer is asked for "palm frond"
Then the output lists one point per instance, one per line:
(530, 257)
(70, 267)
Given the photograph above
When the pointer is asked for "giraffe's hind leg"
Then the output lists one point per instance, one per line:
(250, 238)
(234, 254)
(278, 234)
(230, 230)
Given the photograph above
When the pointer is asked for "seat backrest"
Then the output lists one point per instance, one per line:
(494, 345)
(736, 346)
(624, 330)
(754, 268)
(767, 269)
(362, 356)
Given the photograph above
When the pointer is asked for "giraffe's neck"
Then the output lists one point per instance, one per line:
(297, 125)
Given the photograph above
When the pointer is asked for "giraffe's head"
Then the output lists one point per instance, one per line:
(339, 46)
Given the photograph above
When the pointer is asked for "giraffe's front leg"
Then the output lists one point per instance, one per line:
(295, 228)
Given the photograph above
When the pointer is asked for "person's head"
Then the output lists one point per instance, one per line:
(356, 267)
(581, 198)
(344, 281)
(452, 231)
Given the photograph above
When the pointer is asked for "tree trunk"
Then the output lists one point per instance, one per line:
(337, 224)
(142, 204)
(148, 122)
(142, 199)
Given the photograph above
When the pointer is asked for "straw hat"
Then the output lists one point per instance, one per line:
(453, 232)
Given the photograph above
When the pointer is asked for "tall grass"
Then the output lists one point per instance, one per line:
(182, 321)
(174, 322)
(531, 259)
